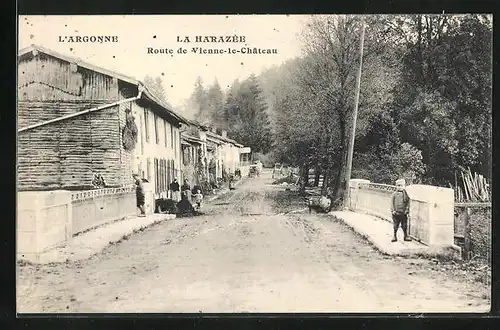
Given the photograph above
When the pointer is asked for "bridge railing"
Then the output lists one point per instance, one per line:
(431, 217)
(47, 219)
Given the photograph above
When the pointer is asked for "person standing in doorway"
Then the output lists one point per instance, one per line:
(140, 194)
(400, 207)
(176, 193)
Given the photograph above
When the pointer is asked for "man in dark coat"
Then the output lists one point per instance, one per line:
(140, 194)
(176, 193)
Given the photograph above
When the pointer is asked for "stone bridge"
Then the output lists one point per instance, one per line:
(431, 217)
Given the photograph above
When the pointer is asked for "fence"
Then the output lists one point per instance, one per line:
(472, 228)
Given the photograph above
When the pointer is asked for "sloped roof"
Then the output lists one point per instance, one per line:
(225, 139)
(196, 123)
(190, 138)
(131, 80)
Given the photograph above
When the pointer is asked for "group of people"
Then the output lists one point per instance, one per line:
(182, 195)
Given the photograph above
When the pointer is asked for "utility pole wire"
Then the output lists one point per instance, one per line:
(355, 116)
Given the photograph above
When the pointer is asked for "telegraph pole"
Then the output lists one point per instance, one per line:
(354, 119)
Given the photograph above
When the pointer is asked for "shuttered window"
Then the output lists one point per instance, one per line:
(165, 132)
(171, 137)
(148, 169)
(166, 175)
(169, 178)
(157, 131)
(162, 177)
(146, 124)
(141, 136)
(155, 171)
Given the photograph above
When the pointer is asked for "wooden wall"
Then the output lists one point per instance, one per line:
(46, 78)
(66, 154)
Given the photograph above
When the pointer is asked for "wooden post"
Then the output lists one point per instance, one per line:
(467, 235)
(355, 115)
(317, 174)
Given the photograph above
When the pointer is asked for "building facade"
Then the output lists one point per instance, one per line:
(72, 119)
(158, 154)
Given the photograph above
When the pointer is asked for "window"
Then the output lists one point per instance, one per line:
(163, 176)
(141, 137)
(175, 143)
(165, 131)
(172, 174)
(174, 171)
(157, 188)
(157, 131)
(146, 124)
(148, 170)
(185, 155)
(169, 177)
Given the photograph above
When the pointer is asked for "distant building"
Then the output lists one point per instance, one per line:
(71, 121)
(226, 154)
(192, 158)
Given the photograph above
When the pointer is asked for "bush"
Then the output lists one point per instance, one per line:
(411, 165)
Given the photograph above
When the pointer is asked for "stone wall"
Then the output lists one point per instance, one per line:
(48, 219)
(431, 218)
(97, 207)
(43, 222)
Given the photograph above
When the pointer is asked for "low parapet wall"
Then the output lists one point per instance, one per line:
(48, 219)
(431, 214)
(97, 207)
(43, 221)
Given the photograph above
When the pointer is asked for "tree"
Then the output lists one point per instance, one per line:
(329, 72)
(246, 116)
(198, 103)
(155, 85)
(445, 93)
(215, 103)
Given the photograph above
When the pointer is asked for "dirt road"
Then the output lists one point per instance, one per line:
(247, 254)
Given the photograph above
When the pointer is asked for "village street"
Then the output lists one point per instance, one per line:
(248, 253)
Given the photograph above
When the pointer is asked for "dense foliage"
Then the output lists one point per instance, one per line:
(424, 110)
(242, 112)
(425, 103)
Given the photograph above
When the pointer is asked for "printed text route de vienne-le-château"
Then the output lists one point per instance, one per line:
(213, 50)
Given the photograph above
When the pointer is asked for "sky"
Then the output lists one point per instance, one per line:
(179, 71)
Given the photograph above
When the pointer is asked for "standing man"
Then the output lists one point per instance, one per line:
(400, 207)
(140, 194)
(176, 193)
